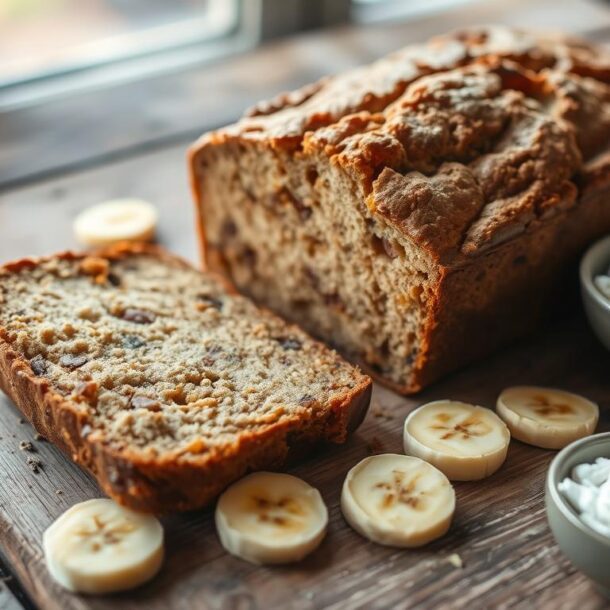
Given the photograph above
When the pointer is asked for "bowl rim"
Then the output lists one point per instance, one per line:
(552, 480)
(591, 256)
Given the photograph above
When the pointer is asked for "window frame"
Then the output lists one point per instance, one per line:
(255, 21)
(181, 47)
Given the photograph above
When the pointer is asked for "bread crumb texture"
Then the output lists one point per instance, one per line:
(159, 358)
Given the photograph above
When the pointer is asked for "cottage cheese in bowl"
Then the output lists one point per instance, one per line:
(588, 492)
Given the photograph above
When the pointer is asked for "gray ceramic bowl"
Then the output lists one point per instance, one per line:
(595, 261)
(586, 549)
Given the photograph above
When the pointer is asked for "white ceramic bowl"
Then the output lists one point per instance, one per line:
(596, 261)
(588, 550)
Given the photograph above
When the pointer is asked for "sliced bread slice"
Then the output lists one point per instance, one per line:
(159, 380)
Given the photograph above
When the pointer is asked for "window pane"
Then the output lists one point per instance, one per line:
(387, 10)
(42, 36)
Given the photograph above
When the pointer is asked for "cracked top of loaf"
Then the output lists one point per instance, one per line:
(461, 143)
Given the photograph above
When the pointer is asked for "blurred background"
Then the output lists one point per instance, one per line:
(87, 84)
(54, 46)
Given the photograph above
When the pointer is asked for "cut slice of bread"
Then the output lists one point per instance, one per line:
(159, 380)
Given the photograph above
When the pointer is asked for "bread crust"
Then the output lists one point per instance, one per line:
(498, 224)
(166, 483)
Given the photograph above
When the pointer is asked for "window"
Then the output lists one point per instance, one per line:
(51, 48)
(54, 47)
(42, 37)
(369, 11)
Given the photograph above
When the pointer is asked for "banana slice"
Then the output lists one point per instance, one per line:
(546, 417)
(397, 500)
(114, 221)
(465, 442)
(100, 547)
(269, 518)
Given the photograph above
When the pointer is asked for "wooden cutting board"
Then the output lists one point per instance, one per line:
(500, 529)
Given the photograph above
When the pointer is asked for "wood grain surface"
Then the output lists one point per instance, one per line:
(500, 529)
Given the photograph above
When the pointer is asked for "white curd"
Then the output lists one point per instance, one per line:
(588, 491)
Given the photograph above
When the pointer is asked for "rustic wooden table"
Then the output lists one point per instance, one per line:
(62, 156)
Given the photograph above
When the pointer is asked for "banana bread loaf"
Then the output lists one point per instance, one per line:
(415, 213)
(164, 385)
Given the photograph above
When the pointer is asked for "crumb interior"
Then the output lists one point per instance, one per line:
(159, 356)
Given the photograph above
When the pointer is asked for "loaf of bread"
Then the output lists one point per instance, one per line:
(416, 213)
(158, 380)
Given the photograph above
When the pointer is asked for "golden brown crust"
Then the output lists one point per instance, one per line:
(168, 482)
(510, 291)
(522, 114)
(374, 87)
(473, 313)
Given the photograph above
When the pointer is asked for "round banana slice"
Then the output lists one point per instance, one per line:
(397, 500)
(100, 547)
(546, 417)
(465, 442)
(114, 221)
(269, 518)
